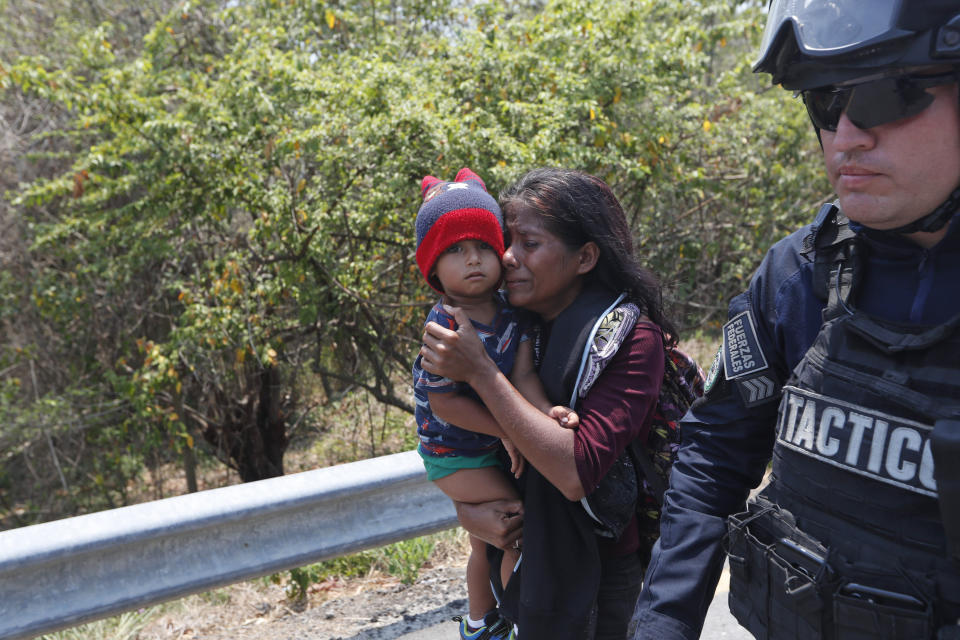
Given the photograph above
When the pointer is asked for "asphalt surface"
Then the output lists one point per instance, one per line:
(719, 625)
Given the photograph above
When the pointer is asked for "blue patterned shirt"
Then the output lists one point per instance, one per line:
(501, 340)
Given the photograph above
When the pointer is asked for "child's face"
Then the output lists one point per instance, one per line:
(468, 269)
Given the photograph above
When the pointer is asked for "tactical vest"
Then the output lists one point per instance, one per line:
(856, 536)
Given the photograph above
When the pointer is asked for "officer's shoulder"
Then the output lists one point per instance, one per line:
(788, 256)
(796, 245)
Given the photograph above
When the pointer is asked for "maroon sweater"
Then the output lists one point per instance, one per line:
(618, 408)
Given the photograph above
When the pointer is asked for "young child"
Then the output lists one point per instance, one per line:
(459, 245)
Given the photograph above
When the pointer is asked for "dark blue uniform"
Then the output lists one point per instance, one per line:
(729, 436)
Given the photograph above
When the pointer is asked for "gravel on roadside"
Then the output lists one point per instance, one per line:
(371, 608)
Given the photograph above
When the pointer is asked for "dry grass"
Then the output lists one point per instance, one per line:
(702, 347)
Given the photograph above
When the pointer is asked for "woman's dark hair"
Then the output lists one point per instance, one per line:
(579, 208)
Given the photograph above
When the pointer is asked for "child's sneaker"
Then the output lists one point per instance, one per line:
(494, 628)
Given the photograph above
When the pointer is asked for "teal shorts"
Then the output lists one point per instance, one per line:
(441, 467)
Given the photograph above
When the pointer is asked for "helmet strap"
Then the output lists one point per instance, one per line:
(936, 219)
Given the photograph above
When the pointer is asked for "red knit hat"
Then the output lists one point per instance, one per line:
(455, 211)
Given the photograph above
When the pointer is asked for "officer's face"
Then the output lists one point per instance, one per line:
(895, 173)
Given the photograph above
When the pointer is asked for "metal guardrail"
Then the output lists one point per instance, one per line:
(64, 573)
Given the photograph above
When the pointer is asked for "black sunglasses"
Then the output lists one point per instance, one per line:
(873, 103)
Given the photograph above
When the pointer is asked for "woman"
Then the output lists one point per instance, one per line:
(570, 262)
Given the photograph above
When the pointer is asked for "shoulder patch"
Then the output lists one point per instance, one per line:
(742, 355)
(757, 390)
(744, 363)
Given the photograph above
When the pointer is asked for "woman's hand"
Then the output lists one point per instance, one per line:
(499, 523)
(458, 355)
(517, 461)
(565, 417)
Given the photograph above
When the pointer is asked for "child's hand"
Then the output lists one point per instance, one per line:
(565, 417)
(517, 461)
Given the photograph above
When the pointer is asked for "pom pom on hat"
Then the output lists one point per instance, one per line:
(455, 211)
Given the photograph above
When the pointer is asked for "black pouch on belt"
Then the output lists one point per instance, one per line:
(945, 444)
(777, 574)
(862, 612)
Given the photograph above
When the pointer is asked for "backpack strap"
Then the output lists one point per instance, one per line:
(621, 485)
(581, 342)
(836, 260)
(562, 359)
(606, 337)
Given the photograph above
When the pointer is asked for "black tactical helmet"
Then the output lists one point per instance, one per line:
(815, 43)
(811, 44)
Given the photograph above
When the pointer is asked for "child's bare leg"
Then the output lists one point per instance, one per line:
(479, 595)
(485, 484)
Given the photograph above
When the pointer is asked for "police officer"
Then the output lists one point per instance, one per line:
(841, 360)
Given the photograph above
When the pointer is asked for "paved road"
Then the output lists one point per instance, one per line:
(719, 625)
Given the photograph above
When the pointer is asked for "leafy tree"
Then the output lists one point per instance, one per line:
(237, 213)
(53, 410)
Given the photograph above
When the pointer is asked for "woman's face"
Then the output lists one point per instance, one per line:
(542, 274)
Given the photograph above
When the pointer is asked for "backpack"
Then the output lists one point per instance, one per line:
(683, 382)
(636, 482)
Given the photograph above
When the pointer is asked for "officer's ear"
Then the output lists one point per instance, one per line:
(587, 257)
